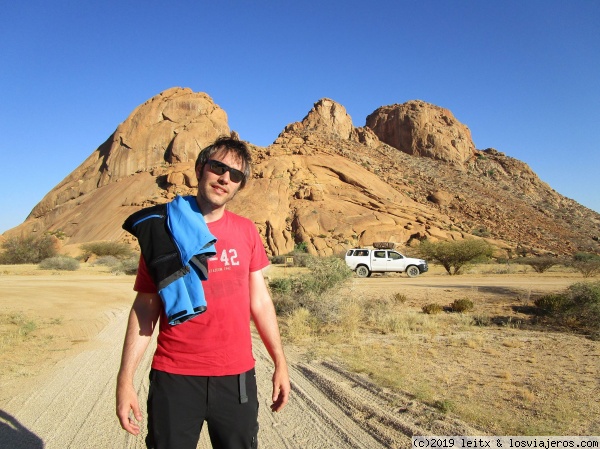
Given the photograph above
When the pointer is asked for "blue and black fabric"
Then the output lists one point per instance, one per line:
(175, 244)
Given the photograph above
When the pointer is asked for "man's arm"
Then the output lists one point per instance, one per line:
(265, 320)
(142, 320)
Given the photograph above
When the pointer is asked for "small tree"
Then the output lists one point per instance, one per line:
(587, 264)
(453, 255)
(539, 264)
(106, 248)
(30, 249)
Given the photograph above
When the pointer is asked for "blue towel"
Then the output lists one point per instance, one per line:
(183, 298)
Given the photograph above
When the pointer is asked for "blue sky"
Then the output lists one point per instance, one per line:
(523, 75)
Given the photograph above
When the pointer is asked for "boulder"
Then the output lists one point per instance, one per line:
(441, 198)
(423, 129)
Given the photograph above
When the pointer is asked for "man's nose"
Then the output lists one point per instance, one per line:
(225, 178)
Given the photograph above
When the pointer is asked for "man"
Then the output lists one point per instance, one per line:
(203, 369)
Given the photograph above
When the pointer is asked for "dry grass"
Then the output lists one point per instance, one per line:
(45, 314)
(27, 334)
(488, 366)
(299, 325)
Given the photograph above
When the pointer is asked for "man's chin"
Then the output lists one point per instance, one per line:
(217, 201)
(214, 199)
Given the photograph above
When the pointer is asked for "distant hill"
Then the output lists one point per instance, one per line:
(412, 172)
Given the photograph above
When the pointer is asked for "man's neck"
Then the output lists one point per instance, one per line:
(210, 213)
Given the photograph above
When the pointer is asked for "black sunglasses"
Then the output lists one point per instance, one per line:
(219, 168)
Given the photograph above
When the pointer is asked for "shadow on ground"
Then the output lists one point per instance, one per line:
(15, 436)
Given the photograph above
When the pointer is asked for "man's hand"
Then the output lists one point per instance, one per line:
(127, 402)
(281, 388)
(142, 320)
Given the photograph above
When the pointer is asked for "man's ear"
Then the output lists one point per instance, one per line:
(197, 170)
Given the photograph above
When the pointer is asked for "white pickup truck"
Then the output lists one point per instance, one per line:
(366, 261)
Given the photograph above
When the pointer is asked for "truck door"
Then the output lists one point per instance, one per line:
(378, 261)
(395, 262)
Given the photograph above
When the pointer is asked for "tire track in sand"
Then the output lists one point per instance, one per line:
(72, 406)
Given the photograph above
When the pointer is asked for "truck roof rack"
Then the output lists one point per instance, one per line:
(384, 245)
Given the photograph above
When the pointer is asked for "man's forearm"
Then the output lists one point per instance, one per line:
(266, 324)
(265, 320)
(142, 321)
(264, 317)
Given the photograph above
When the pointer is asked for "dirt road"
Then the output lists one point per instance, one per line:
(71, 404)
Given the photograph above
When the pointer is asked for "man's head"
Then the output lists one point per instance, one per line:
(222, 170)
(218, 150)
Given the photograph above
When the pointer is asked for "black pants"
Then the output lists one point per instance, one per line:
(178, 406)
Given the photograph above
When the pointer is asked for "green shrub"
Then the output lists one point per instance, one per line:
(552, 304)
(301, 259)
(539, 264)
(281, 285)
(30, 249)
(587, 264)
(106, 248)
(432, 309)
(461, 305)
(577, 307)
(453, 255)
(324, 273)
(107, 261)
(303, 290)
(301, 247)
(278, 260)
(127, 266)
(62, 263)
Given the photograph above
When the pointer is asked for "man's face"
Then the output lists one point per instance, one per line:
(216, 190)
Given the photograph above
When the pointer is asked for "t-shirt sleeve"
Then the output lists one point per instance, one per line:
(259, 258)
(143, 280)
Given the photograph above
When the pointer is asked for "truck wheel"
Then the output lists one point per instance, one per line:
(363, 272)
(412, 271)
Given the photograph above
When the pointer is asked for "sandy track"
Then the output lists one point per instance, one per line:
(72, 406)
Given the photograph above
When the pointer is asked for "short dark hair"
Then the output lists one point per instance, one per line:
(228, 145)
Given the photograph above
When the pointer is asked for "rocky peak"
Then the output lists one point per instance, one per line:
(326, 117)
(326, 121)
(171, 127)
(422, 129)
(323, 182)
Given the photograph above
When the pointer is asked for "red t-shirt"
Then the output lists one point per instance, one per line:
(218, 341)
